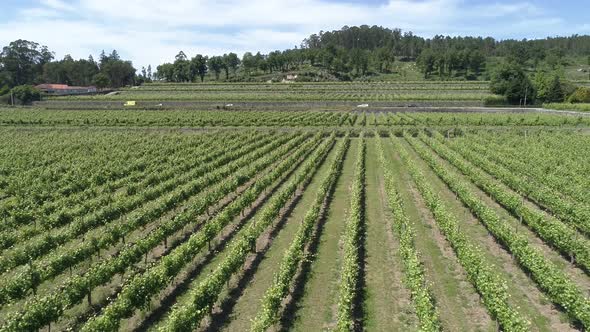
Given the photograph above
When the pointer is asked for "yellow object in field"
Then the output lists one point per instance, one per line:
(130, 103)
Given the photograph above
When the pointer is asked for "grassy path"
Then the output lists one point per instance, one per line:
(387, 303)
(316, 310)
(248, 304)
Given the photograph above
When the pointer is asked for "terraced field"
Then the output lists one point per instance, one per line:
(384, 92)
(296, 221)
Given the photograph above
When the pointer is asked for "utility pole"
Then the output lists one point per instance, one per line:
(526, 90)
(11, 98)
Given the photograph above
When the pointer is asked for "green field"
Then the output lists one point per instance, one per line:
(569, 107)
(295, 119)
(308, 220)
(285, 92)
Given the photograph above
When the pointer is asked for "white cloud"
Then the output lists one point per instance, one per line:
(57, 5)
(254, 13)
(507, 9)
(36, 13)
(424, 12)
(153, 31)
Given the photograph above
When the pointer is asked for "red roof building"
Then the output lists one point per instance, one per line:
(64, 89)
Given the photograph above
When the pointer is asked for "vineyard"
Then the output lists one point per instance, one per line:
(296, 119)
(145, 220)
(310, 91)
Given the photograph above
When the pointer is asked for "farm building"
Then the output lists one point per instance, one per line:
(64, 89)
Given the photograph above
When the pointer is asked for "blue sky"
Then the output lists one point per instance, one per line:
(153, 31)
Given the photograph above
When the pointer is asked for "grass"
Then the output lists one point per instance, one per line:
(575, 63)
(568, 107)
(387, 302)
(316, 310)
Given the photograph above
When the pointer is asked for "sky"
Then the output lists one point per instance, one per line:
(154, 31)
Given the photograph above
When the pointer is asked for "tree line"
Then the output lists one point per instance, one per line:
(25, 63)
(188, 70)
(231, 67)
(357, 51)
(519, 87)
(408, 45)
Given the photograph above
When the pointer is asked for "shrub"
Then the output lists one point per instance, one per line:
(5, 99)
(555, 92)
(101, 80)
(495, 101)
(581, 95)
(4, 90)
(550, 88)
(511, 82)
(25, 94)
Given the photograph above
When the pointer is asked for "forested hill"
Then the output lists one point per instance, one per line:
(410, 45)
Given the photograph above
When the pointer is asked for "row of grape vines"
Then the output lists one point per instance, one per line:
(275, 294)
(166, 240)
(558, 287)
(353, 241)
(188, 315)
(491, 287)
(19, 284)
(557, 234)
(245, 117)
(45, 309)
(413, 270)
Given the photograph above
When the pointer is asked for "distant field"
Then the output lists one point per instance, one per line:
(305, 92)
(569, 107)
(319, 119)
